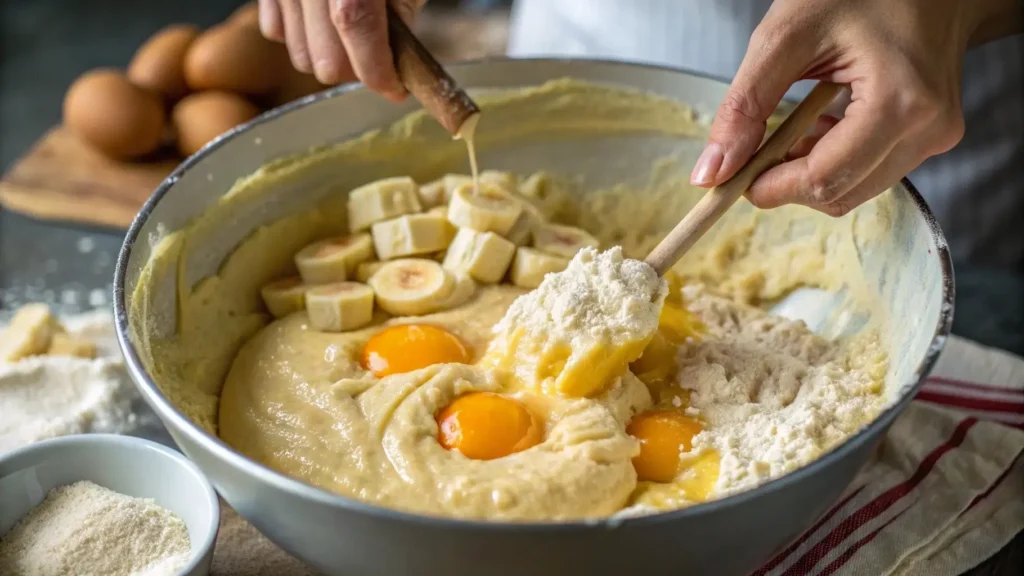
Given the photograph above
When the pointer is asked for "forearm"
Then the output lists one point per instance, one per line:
(996, 19)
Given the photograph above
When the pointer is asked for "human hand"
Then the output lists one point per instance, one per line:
(339, 40)
(902, 62)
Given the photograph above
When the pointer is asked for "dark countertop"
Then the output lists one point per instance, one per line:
(45, 44)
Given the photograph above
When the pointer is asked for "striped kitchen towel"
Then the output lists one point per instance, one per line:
(946, 488)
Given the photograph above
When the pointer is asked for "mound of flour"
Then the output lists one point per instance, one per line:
(43, 397)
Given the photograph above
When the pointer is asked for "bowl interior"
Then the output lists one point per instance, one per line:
(131, 466)
(881, 270)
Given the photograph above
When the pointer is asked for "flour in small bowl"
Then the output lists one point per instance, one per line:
(83, 529)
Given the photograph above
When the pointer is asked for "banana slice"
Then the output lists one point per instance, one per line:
(464, 289)
(382, 200)
(64, 344)
(543, 192)
(530, 266)
(561, 240)
(411, 235)
(333, 259)
(439, 192)
(285, 296)
(440, 210)
(529, 219)
(339, 306)
(506, 181)
(488, 210)
(412, 286)
(484, 256)
(367, 269)
(29, 333)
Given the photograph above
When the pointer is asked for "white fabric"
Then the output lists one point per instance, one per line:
(975, 190)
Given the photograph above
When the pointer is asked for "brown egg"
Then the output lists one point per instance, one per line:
(159, 64)
(103, 108)
(235, 58)
(246, 15)
(295, 85)
(203, 116)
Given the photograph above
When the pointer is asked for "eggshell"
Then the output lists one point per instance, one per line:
(159, 64)
(237, 59)
(246, 15)
(202, 116)
(103, 108)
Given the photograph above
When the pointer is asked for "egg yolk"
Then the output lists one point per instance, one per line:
(664, 435)
(485, 426)
(408, 347)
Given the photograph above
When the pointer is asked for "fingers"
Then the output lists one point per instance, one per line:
(271, 24)
(900, 162)
(362, 25)
(776, 57)
(839, 161)
(295, 35)
(326, 52)
(804, 145)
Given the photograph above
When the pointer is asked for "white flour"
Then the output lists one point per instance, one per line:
(600, 296)
(47, 396)
(83, 530)
(773, 395)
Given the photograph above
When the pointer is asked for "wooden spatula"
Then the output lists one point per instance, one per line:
(426, 79)
(717, 200)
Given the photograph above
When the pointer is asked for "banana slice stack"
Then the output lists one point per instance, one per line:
(418, 250)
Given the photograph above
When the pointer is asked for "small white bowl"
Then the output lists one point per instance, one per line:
(125, 464)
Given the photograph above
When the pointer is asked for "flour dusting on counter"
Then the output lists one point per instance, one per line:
(44, 396)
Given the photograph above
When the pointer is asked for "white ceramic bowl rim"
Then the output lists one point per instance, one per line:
(155, 398)
(14, 458)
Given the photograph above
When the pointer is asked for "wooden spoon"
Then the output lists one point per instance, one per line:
(711, 207)
(426, 79)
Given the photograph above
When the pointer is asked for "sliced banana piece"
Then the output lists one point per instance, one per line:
(412, 286)
(367, 269)
(561, 240)
(529, 219)
(333, 259)
(439, 192)
(484, 256)
(285, 296)
(64, 344)
(29, 333)
(506, 181)
(488, 210)
(542, 191)
(530, 266)
(339, 306)
(465, 288)
(411, 235)
(382, 200)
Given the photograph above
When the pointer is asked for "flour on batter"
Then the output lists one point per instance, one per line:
(581, 328)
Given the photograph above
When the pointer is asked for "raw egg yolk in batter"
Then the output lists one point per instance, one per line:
(407, 347)
(485, 426)
(664, 435)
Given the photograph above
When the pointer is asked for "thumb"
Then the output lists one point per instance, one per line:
(775, 59)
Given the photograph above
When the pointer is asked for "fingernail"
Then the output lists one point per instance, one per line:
(708, 165)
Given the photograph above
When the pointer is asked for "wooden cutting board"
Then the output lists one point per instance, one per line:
(61, 178)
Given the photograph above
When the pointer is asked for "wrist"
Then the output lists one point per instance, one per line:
(995, 19)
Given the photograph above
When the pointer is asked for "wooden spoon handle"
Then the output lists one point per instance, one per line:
(711, 207)
(426, 79)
